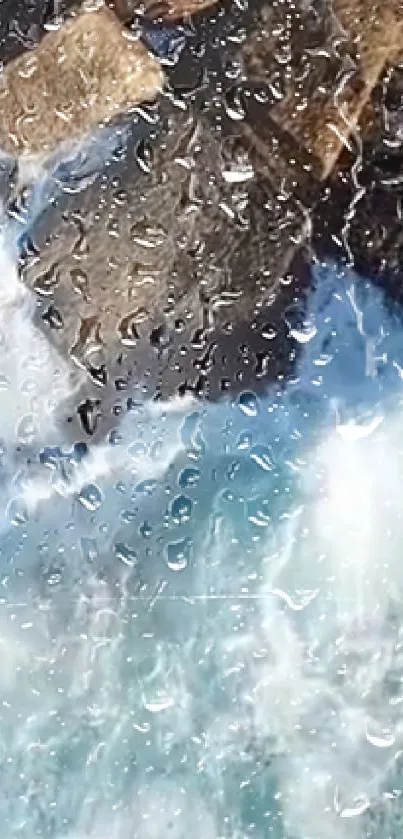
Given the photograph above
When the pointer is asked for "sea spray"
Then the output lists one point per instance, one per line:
(34, 378)
(38, 384)
(207, 637)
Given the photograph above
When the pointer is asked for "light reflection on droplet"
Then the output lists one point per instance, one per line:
(125, 554)
(384, 738)
(248, 404)
(161, 702)
(189, 478)
(181, 509)
(27, 428)
(262, 457)
(178, 554)
(17, 512)
(91, 497)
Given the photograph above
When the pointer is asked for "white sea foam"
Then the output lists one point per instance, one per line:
(34, 379)
(202, 632)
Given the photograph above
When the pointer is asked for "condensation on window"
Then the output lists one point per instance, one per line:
(201, 466)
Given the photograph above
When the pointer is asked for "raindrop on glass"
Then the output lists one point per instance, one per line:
(125, 554)
(178, 554)
(262, 457)
(90, 497)
(181, 509)
(248, 403)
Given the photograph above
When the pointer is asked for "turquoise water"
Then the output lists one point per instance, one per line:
(201, 628)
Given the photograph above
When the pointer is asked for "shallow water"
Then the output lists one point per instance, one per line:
(201, 628)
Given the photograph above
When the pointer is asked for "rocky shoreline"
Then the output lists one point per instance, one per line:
(176, 269)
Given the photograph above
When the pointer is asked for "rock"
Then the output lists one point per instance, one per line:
(166, 10)
(79, 77)
(366, 203)
(331, 66)
(176, 279)
(174, 271)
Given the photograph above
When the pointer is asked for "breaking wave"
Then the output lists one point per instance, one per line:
(201, 627)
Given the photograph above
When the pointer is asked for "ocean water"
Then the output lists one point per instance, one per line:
(201, 630)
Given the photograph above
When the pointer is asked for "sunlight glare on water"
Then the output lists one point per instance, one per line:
(204, 638)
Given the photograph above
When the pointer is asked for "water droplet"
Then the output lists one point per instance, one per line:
(261, 95)
(181, 509)
(90, 497)
(178, 554)
(160, 703)
(248, 403)
(29, 386)
(160, 338)
(238, 173)
(234, 107)
(53, 577)
(27, 428)
(242, 5)
(269, 332)
(304, 335)
(300, 328)
(89, 548)
(29, 254)
(120, 150)
(98, 374)
(262, 457)
(80, 248)
(79, 281)
(180, 325)
(189, 477)
(189, 429)
(128, 330)
(145, 530)
(126, 554)
(50, 457)
(144, 156)
(17, 512)
(382, 739)
(128, 516)
(46, 283)
(137, 450)
(146, 487)
(120, 197)
(258, 512)
(53, 317)
(148, 236)
(113, 228)
(89, 414)
(53, 23)
(244, 441)
(357, 807)
(88, 350)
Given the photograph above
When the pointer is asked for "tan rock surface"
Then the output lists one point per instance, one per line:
(170, 10)
(324, 112)
(81, 76)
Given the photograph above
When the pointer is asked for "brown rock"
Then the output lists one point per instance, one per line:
(81, 76)
(175, 9)
(170, 10)
(323, 112)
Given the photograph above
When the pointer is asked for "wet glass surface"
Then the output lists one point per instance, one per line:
(201, 460)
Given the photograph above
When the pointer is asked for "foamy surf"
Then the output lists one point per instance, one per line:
(202, 634)
(34, 379)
